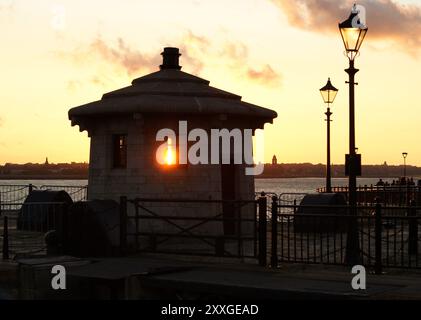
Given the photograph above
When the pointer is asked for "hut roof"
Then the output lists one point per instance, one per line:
(170, 90)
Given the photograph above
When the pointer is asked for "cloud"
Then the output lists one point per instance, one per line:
(131, 60)
(196, 52)
(264, 75)
(192, 43)
(233, 54)
(386, 19)
(6, 5)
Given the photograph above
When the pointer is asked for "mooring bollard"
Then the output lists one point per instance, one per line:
(378, 238)
(5, 239)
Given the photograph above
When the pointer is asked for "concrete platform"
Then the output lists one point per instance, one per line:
(169, 277)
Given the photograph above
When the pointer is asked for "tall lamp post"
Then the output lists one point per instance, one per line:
(353, 33)
(329, 93)
(404, 155)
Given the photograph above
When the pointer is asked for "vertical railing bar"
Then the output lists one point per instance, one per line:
(288, 238)
(370, 258)
(387, 242)
(255, 228)
(274, 253)
(334, 238)
(262, 231)
(136, 224)
(308, 246)
(281, 233)
(123, 224)
(378, 238)
(321, 240)
(5, 238)
(402, 242)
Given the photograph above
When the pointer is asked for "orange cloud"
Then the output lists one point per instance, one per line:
(194, 48)
(386, 19)
(129, 59)
(264, 75)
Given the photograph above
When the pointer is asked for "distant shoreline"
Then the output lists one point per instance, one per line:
(40, 177)
(81, 177)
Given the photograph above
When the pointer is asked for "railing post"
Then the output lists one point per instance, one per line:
(413, 229)
(123, 224)
(274, 251)
(5, 239)
(378, 238)
(262, 230)
(64, 222)
(30, 188)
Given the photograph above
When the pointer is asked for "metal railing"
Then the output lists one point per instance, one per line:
(198, 227)
(389, 237)
(16, 194)
(77, 193)
(23, 229)
(396, 195)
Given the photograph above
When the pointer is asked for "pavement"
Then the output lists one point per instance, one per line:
(165, 277)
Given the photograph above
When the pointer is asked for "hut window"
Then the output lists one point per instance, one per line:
(119, 151)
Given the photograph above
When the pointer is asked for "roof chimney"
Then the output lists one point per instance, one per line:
(170, 59)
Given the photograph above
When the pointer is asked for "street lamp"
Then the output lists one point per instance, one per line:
(329, 93)
(353, 33)
(404, 155)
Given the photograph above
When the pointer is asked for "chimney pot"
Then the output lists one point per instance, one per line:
(170, 59)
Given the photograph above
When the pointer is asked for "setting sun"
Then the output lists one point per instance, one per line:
(170, 153)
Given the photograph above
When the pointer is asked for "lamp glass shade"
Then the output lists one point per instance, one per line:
(353, 38)
(328, 92)
(353, 31)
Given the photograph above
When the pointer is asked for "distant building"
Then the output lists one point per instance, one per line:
(274, 160)
(123, 127)
(46, 161)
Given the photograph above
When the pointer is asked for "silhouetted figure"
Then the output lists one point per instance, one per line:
(380, 183)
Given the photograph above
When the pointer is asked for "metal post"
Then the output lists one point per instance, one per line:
(5, 239)
(262, 231)
(378, 238)
(274, 251)
(404, 167)
(123, 224)
(352, 255)
(413, 229)
(30, 188)
(64, 221)
(328, 168)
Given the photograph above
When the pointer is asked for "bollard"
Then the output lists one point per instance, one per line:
(262, 231)
(413, 229)
(274, 251)
(5, 239)
(378, 238)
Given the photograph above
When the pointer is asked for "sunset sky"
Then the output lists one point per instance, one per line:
(275, 53)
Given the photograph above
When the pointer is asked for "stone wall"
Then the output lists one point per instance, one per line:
(145, 178)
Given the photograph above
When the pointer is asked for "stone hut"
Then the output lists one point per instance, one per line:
(123, 129)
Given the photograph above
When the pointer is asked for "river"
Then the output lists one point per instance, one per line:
(276, 185)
